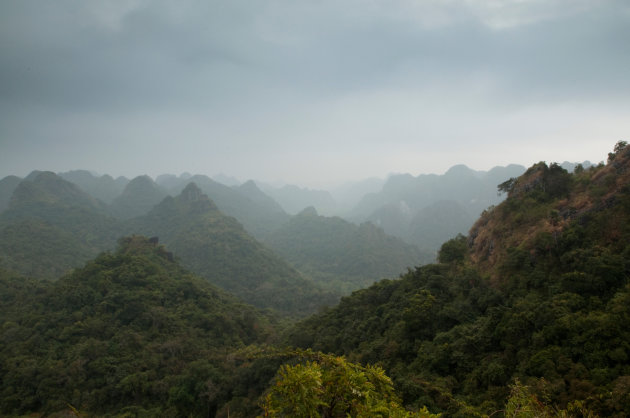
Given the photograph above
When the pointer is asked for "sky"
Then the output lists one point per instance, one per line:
(310, 92)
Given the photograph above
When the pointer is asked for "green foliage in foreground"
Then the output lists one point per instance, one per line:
(314, 384)
(324, 385)
(448, 340)
(523, 403)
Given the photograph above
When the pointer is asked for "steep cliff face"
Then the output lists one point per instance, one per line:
(547, 203)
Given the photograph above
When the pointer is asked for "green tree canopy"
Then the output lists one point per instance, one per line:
(323, 385)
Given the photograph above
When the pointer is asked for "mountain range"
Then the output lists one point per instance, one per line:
(51, 225)
(218, 248)
(340, 255)
(142, 305)
(428, 209)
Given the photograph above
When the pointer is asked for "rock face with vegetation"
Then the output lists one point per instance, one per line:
(539, 291)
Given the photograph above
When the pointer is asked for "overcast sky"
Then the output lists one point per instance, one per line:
(310, 91)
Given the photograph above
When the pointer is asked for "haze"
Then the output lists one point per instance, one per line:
(307, 92)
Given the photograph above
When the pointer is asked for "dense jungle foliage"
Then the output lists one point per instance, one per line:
(131, 333)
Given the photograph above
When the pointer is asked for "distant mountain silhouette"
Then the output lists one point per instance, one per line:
(294, 199)
(45, 187)
(340, 255)
(7, 186)
(104, 188)
(402, 207)
(264, 201)
(218, 248)
(348, 195)
(138, 198)
(258, 213)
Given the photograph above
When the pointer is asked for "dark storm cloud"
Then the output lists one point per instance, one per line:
(139, 58)
(155, 54)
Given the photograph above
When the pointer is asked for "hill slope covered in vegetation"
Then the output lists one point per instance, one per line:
(52, 226)
(130, 333)
(538, 293)
(342, 256)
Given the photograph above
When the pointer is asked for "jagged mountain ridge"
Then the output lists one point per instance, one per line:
(105, 188)
(400, 208)
(219, 249)
(294, 199)
(258, 213)
(53, 226)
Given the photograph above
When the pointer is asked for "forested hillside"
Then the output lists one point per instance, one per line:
(52, 226)
(527, 314)
(131, 334)
(342, 256)
(134, 334)
(538, 293)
